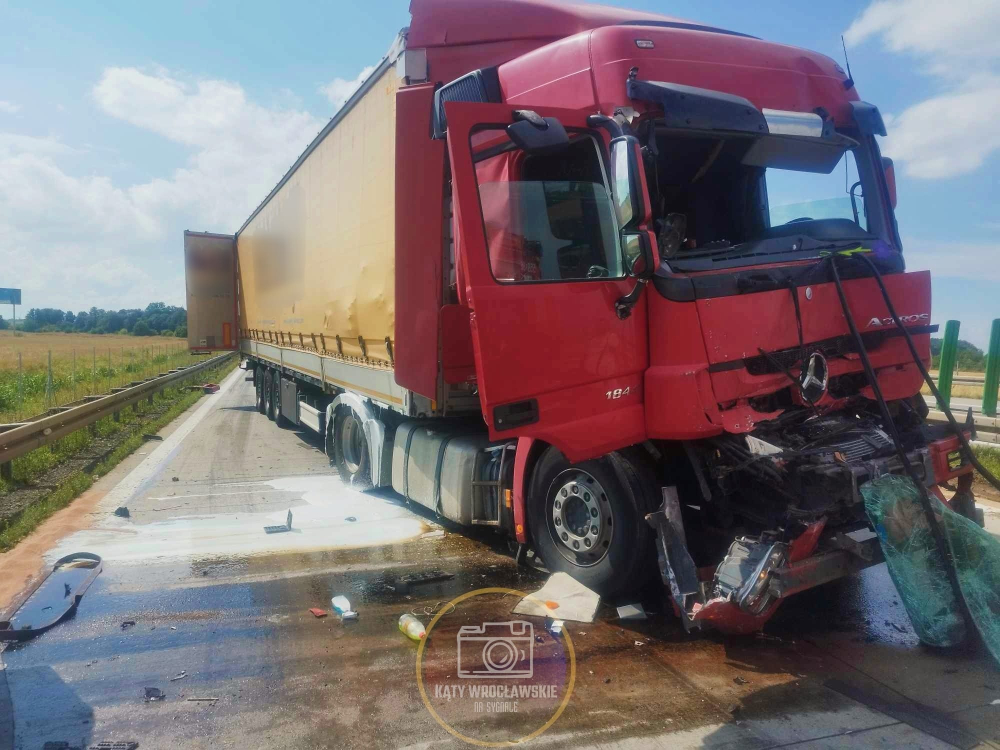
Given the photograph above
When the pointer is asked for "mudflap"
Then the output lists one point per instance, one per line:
(677, 569)
(54, 598)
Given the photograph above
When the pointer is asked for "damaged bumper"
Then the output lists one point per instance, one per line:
(756, 575)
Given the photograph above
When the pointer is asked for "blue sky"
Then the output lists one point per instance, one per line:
(124, 124)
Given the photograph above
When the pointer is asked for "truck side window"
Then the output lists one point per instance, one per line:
(547, 217)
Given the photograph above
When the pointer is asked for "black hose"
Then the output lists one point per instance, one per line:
(925, 501)
(987, 475)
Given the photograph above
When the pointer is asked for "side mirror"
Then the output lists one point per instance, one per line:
(625, 182)
(537, 134)
(890, 178)
(638, 254)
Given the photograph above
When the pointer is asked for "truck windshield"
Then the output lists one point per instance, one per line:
(723, 202)
(547, 217)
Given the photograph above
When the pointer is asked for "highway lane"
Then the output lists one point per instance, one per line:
(217, 600)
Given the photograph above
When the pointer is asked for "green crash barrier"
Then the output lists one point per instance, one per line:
(992, 383)
(946, 370)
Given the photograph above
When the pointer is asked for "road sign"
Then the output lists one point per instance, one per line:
(10, 296)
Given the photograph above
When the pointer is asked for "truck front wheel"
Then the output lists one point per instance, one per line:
(350, 450)
(588, 520)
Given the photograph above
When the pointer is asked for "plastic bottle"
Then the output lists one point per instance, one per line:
(411, 627)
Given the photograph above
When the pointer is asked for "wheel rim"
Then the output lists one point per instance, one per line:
(579, 518)
(352, 443)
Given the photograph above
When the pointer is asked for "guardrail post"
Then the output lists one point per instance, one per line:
(48, 383)
(992, 381)
(946, 369)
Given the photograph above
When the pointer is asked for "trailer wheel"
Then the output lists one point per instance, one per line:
(269, 394)
(258, 382)
(276, 400)
(350, 450)
(588, 520)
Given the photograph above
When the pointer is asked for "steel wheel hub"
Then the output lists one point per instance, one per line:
(352, 443)
(580, 517)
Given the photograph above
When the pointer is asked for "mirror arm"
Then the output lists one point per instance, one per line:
(608, 123)
(624, 305)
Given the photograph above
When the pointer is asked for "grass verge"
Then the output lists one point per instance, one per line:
(18, 526)
(988, 457)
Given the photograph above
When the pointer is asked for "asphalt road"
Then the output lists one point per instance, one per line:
(217, 600)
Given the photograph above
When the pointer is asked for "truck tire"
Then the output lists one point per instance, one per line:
(588, 520)
(276, 400)
(258, 383)
(350, 450)
(269, 394)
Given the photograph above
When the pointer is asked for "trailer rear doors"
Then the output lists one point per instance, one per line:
(210, 271)
(540, 267)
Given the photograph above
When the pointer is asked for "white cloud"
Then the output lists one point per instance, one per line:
(948, 135)
(339, 90)
(73, 241)
(961, 29)
(9, 107)
(975, 261)
(953, 132)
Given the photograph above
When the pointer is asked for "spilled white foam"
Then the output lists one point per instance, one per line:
(320, 508)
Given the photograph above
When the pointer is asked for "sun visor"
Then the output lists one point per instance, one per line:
(800, 154)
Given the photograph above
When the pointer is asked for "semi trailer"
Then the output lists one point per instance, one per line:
(607, 281)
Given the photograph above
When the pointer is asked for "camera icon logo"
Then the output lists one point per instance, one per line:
(496, 650)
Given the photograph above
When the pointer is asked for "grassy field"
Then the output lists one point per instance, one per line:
(82, 365)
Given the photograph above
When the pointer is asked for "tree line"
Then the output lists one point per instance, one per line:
(158, 319)
(968, 356)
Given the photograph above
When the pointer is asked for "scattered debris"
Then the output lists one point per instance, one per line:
(173, 627)
(179, 676)
(318, 612)
(154, 694)
(740, 680)
(152, 437)
(279, 529)
(122, 512)
(575, 601)
(996, 702)
(555, 627)
(431, 610)
(411, 627)
(115, 745)
(639, 643)
(607, 680)
(898, 628)
(351, 519)
(631, 612)
(175, 479)
(761, 636)
(429, 576)
(126, 624)
(203, 700)
(343, 608)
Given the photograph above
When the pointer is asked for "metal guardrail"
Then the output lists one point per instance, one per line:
(24, 437)
(987, 428)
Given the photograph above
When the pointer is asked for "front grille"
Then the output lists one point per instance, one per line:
(863, 446)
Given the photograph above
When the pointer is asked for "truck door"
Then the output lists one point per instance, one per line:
(540, 265)
(210, 275)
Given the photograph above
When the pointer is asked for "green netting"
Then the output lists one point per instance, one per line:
(894, 507)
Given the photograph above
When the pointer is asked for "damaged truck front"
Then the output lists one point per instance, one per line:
(717, 317)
